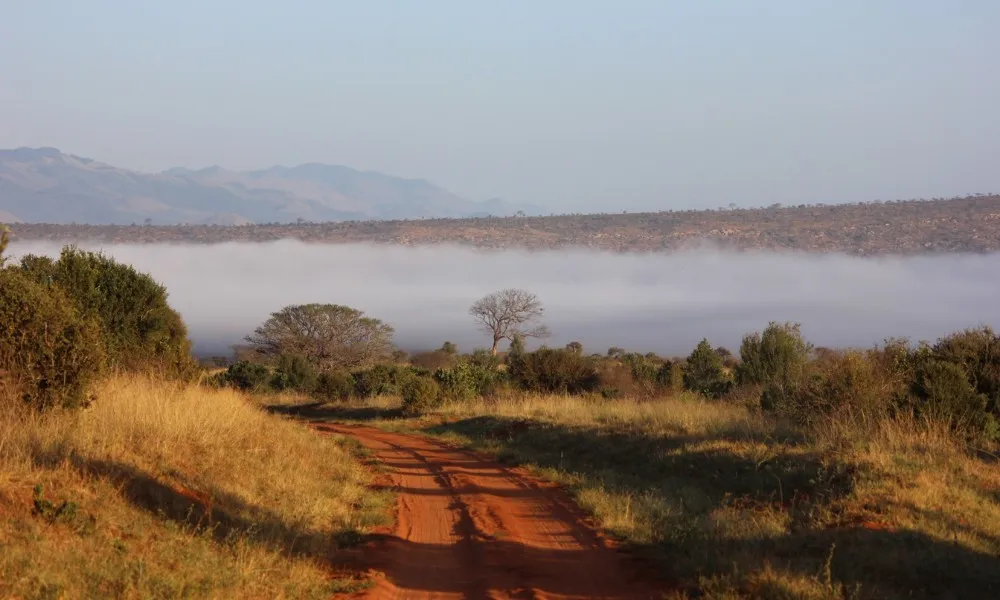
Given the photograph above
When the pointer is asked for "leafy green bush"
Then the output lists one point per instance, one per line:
(467, 380)
(776, 360)
(49, 353)
(381, 380)
(246, 376)
(978, 350)
(703, 372)
(294, 372)
(419, 395)
(139, 329)
(942, 390)
(334, 386)
(958, 379)
(778, 355)
(548, 370)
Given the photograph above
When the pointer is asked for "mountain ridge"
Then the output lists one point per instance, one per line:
(46, 185)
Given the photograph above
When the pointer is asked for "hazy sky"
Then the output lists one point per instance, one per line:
(573, 104)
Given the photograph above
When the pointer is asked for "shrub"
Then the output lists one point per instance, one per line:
(381, 380)
(549, 370)
(334, 386)
(139, 329)
(466, 380)
(613, 378)
(778, 355)
(775, 359)
(482, 357)
(419, 395)
(670, 376)
(942, 390)
(978, 351)
(50, 354)
(246, 376)
(703, 372)
(433, 360)
(294, 373)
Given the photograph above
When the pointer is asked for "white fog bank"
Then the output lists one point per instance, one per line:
(664, 303)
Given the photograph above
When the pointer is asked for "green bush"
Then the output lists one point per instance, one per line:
(776, 356)
(978, 351)
(643, 368)
(50, 354)
(247, 376)
(381, 380)
(942, 390)
(139, 329)
(548, 370)
(703, 372)
(334, 386)
(419, 395)
(294, 373)
(775, 360)
(467, 380)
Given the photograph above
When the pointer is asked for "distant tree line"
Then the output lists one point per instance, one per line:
(336, 353)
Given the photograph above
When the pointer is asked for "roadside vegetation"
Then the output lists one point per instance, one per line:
(121, 477)
(778, 471)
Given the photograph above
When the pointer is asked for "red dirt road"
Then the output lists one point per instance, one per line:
(468, 527)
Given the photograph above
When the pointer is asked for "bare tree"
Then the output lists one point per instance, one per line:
(331, 336)
(509, 313)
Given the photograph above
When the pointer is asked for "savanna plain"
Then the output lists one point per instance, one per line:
(320, 458)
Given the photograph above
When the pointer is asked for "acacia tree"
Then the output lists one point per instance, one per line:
(508, 314)
(331, 336)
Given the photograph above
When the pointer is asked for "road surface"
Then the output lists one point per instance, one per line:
(468, 527)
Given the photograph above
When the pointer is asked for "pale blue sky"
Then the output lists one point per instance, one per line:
(575, 105)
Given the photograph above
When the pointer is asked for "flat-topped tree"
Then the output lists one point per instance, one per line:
(509, 313)
(332, 337)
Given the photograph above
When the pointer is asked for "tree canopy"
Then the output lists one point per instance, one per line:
(331, 336)
(509, 313)
(139, 329)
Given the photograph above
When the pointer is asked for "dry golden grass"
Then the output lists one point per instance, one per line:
(174, 491)
(732, 503)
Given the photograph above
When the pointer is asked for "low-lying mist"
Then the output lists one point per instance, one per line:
(663, 303)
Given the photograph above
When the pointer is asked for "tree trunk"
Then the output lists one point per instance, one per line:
(496, 342)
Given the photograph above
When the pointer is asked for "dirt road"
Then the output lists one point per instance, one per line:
(468, 527)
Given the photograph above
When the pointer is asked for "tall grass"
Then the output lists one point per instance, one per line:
(730, 502)
(172, 491)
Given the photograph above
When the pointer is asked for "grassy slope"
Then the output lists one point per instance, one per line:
(148, 464)
(733, 504)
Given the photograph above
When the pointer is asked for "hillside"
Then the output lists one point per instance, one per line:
(969, 224)
(45, 185)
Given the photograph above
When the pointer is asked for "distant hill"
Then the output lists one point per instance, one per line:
(964, 225)
(44, 185)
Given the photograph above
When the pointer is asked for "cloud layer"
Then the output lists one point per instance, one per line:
(661, 303)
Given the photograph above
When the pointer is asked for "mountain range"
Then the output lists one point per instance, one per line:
(45, 185)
